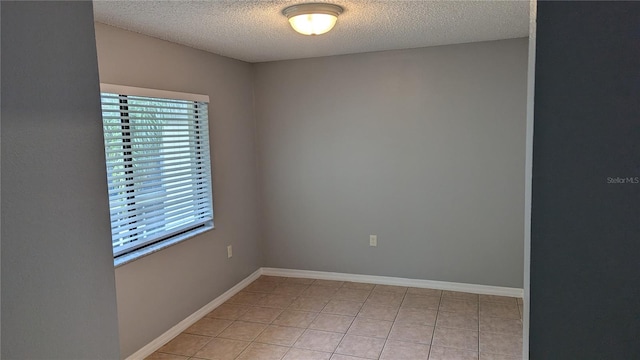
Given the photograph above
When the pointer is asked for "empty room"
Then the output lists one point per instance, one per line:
(422, 148)
(340, 180)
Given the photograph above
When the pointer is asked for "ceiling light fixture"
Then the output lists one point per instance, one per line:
(313, 18)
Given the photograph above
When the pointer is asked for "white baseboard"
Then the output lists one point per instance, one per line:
(158, 342)
(386, 280)
(323, 275)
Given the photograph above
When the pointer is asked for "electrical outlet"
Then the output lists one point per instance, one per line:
(229, 252)
(373, 240)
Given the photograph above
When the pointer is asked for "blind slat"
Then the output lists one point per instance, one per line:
(124, 230)
(125, 210)
(172, 158)
(190, 211)
(116, 124)
(124, 246)
(159, 184)
(147, 145)
(135, 180)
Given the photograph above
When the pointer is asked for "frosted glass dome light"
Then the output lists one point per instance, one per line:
(312, 19)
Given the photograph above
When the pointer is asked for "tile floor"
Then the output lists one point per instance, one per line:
(304, 319)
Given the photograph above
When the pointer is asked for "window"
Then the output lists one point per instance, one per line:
(158, 167)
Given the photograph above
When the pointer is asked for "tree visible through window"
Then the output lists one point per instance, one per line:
(158, 168)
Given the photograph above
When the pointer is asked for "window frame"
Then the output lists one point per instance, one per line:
(166, 240)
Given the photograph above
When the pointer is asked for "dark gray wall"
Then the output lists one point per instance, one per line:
(585, 244)
(423, 147)
(158, 291)
(58, 292)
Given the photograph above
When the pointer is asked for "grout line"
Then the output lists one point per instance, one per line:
(434, 323)
(478, 327)
(393, 322)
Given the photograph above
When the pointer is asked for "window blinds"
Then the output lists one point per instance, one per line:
(158, 168)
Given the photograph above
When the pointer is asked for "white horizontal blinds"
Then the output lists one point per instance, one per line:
(158, 167)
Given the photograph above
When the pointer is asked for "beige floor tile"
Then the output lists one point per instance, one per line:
(443, 353)
(261, 315)
(308, 304)
(498, 299)
(208, 327)
(416, 316)
(352, 294)
(319, 292)
(328, 283)
(276, 301)
(500, 344)
(342, 307)
(246, 298)
(460, 295)
(279, 335)
(330, 322)
(222, 349)
(459, 306)
(402, 350)
(261, 280)
(391, 288)
(507, 311)
(455, 338)
(360, 346)
(412, 333)
(378, 312)
(272, 278)
(261, 286)
(345, 357)
(318, 340)
(290, 289)
(228, 311)
(421, 302)
(245, 331)
(424, 292)
(185, 344)
(370, 327)
(301, 319)
(358, 285)
(500, 325)
(303, 281)
(303, 354)
(487, 356)
(458, 321)
(278, 318)
(385, 299)
(163, 356)
(257, 351)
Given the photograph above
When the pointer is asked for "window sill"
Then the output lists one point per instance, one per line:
(140, 253)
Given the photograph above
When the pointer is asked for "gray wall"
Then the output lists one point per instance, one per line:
(58, 292)
(423, 147)
(158, 291)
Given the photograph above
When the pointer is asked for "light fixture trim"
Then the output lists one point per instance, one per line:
(312, 18)
(312, 8)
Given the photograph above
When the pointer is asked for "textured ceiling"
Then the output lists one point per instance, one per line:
(256, 31)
